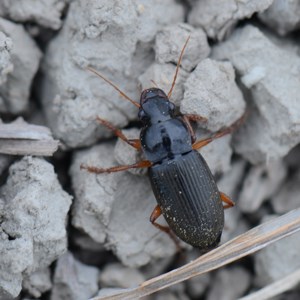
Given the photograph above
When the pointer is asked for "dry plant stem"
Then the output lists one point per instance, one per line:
(241, 246)
(276, 288)
(21, 138)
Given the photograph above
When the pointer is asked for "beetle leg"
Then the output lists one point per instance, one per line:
(199, 144)
(195, 118)
(154, 216)
(141, 164)
(187, 119)
(135, 143)
(227, 200)
(189, 127)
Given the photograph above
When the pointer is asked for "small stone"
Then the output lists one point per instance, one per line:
(229, 283)
(277, 260)
(74, 280)
(33, 218)
(46, 13)
(282, 16)
(116, 275)
(170, 41)
(24, 57)
(38, 282)
(211, 92)
(218, 17)
(261, 183)
(271, 78)
(218, 155)
(287, 197)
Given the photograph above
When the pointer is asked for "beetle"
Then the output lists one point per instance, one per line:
(184, 187)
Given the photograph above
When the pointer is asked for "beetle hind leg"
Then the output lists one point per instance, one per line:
(96, 170)
(154, 216)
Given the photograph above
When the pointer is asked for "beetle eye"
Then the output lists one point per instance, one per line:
(171, 106)
(142, 116)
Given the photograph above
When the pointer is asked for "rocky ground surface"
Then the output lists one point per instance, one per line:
(68, 234)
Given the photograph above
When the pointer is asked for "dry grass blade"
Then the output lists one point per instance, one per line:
(241, 246)
(21, 138)
(276, 288)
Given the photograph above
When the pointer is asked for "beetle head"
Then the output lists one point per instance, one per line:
(155, 106)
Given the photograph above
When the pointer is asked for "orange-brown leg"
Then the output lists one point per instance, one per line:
(199, 144)
(96, 170)
(227, 200)
(154, 216)
(135, 143)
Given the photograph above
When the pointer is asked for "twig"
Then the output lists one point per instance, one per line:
(241, 246)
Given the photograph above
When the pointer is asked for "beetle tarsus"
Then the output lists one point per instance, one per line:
(226, 199)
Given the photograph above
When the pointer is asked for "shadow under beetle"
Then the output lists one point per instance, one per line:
(186, 192)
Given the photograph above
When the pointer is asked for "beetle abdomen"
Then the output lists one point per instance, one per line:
(189, 199)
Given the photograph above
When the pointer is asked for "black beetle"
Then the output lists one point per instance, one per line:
(183, 184)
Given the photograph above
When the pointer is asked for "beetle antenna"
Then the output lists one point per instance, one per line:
(114, 86)
(154, 83)
(177, 67)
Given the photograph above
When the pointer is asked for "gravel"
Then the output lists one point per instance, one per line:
(242, 57)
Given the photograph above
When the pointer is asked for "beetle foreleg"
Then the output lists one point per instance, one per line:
(154, 216)
(227, 200)
(135, 143)
(96, 170)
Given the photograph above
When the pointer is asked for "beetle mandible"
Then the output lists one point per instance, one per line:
(186, 192)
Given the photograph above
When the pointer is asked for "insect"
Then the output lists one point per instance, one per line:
(186, 192)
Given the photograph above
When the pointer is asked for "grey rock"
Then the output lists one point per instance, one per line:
(38, 282)
(33, 219)
(6, 66)
(229, 184)
(218, 17)
(271, 77)
(106, 204)
(74, 280)
(170, 41)
(287, 197)
(277, 260)
(25, 58)
(230, 181)
(211, 92)
(261, 183)
(116, 275)
(103, 35)
(94, 195)
(45, 13)
(218, 154)
(282, 16)
(229, 284)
